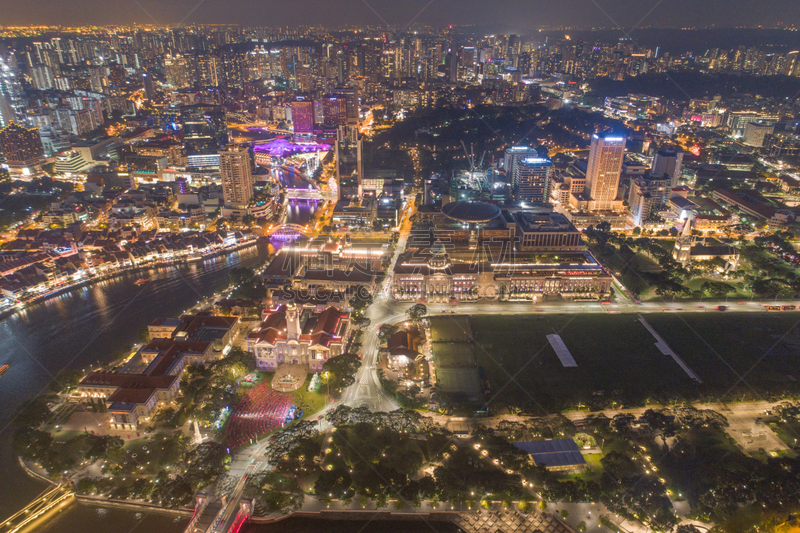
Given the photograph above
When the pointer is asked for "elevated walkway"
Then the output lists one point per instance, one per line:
(49, 501)
(287, 230)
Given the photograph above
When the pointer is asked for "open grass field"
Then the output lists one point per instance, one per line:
(619, 364)
(761, 349)
(616, 356)
(696, 283)
(449, 328)
(309, 402)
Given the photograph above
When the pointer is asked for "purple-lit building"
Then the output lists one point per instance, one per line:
(303, 116)
(334, 110)
(281, 148)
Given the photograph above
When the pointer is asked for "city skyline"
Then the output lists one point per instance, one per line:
(506, 15)
(253, 254)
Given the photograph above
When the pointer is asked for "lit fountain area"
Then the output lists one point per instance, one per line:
(289, 377)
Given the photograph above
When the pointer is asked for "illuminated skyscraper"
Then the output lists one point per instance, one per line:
(349, 165)
(236, 175)
(205, 132)
(22, 148)
(11, 91)
(352, 105)
(514, 154)
(147, 83)
(334, 111)
(603, 171)
(303, 116)
(6, 112)
(531, 179)
(177, 71)
(668, 162)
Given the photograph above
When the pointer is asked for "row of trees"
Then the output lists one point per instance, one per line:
(247, 285)
(379, 457)
(170, 476)
(670, 281)
(690, 450)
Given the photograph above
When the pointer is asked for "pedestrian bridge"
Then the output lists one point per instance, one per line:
(51, 500)
(287, 231)
(308, 194)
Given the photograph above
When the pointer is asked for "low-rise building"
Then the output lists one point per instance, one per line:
(434, 276)
(131, 396)
(297, 335)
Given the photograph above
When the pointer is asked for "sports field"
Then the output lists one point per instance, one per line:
(618, 362)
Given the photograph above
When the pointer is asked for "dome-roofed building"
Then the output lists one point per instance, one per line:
(471, 212)
(439, 260)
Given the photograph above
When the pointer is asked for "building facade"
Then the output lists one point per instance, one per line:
(298, 335)
(669, 162)
(236, 175)
(433, 276)
(22, 148)
(205, 133)
(531, 179)
(603, 171)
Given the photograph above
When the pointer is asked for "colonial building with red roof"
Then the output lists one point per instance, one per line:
(130, 396)
(297, 335)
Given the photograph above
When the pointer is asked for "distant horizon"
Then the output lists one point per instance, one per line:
(518, 16)
(412, 28)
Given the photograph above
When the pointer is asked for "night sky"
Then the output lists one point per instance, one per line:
(507, 16)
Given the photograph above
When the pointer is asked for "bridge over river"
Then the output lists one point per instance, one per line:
(48, 502)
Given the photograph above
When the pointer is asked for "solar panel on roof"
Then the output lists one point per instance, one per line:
(553, 453)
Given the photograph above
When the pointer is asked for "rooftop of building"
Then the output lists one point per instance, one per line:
(543, 222)
(471, 211)
(315, 328)
(553, 453)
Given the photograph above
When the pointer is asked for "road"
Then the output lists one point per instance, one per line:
(494, 307)
(366, 391)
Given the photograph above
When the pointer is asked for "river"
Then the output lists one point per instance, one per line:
(301, 212)
(78, 329)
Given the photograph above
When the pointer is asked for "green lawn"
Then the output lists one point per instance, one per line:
(762, 348)
(696, 283)
(261, 376)
(309, 402)
(616, 356)
(619, 362)
(146, 454)
(593, 471)
(449, 328)
(788, 432)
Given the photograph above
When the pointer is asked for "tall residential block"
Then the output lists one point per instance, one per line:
(236, 175)
(603, 171)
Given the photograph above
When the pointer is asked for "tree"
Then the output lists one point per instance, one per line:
(362, 322)
(248, 285)
(716, 289)
(416, 311)
(332, 483)
(361, 299)
(96, 447)
(342, 369)
(65, 381)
